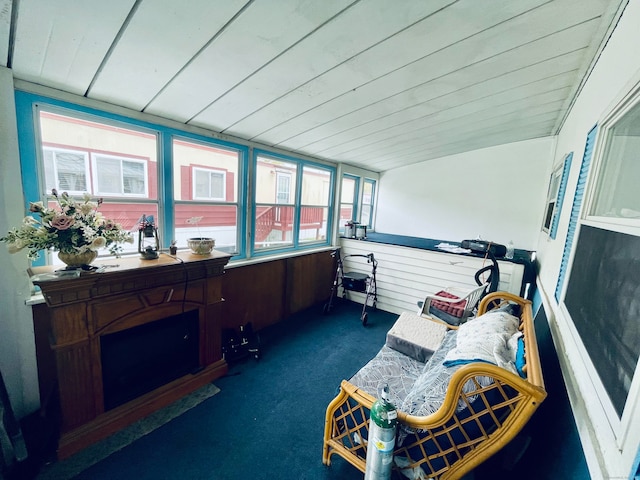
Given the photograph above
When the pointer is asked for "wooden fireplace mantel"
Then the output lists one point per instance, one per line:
(125, 293)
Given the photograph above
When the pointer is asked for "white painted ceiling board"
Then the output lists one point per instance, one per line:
(259, 35)
(400, 89)
(527, 132)
(62, 43)
(158, 44)
(337, 41)
(439, 133)
(525, 109)
(5, 29)
(435, 32)
(508, 83)
(373, 83)
(405, 122)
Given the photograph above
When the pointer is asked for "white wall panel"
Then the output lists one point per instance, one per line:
(17, 348)
(496, 193)
(405, 275)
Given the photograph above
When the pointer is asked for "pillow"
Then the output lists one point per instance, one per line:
(486, 338)
(456, 308)
(415, 336)
(520, 360)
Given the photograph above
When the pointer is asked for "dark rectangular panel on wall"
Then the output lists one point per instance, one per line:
(254, 293)
(267, 292)
(309, 280)
(603, 298)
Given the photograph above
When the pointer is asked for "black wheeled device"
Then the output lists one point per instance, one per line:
(354, 281)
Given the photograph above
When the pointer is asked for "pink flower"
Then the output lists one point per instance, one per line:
(62, 222)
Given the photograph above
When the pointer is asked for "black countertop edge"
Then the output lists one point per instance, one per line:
(520, 256)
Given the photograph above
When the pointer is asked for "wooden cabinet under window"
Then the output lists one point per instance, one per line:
(117, 345)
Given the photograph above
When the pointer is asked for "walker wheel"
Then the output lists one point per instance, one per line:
(364, 318)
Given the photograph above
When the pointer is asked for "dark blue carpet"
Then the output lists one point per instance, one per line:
(268, 420)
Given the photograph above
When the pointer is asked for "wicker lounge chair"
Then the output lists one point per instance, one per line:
(484, 407)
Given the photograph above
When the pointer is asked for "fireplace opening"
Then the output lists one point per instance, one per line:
(140, 359)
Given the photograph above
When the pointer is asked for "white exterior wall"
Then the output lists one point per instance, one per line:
(17, 347)
(496, 193)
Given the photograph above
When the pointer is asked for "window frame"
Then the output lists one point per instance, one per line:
(240, 202)
(555, 199)
(28, 105)
(295, 202)
(619, 428)
(371, 204)
(629, 226)
(354, 203)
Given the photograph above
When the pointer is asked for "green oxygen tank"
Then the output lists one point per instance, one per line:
(382, 438)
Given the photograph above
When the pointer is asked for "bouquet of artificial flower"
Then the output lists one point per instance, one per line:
(72, 226)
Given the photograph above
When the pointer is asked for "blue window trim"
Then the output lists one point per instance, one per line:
(575, 209)
(356, 195)
(298, 196)
(560, 199)
(373, 198)
(26, 103)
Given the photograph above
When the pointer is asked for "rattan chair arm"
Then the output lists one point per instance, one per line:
(454, 393)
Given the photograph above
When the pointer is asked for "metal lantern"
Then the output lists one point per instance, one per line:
(148, 242)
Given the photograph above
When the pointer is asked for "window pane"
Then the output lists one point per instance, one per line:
(71, 171)
(125, 159)
(274, 226)
(109, 176)
(204, 172)
(82, 155)
(548, 216)
(368, 194)
(275, 181)
(347, 202)
(365, 218)
(348, 190)
(65, 170)
(313, 224)
(205, 181)
(202, 187)
(216, 180)
(133, 177)
(316, 183)
(616, 192)
(216, 221)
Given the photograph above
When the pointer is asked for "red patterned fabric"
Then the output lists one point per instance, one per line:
(456, 309)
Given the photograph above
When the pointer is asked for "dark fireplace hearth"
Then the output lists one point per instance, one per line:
(140, 359)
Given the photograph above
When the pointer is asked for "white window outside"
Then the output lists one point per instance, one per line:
(552, 197)
(118, 176)
(209, 184)
(283, 187)
(66, 170)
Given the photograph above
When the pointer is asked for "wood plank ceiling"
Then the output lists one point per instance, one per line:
(373, 83)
